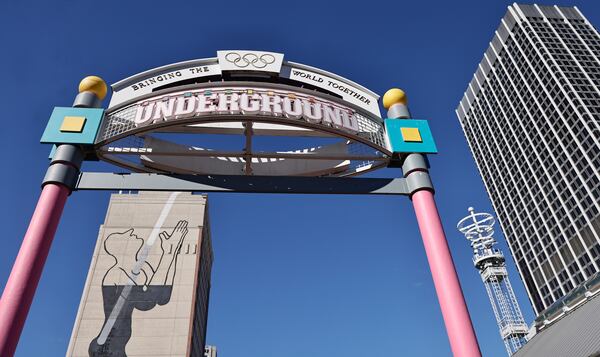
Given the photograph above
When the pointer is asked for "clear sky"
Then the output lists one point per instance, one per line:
(294, 276)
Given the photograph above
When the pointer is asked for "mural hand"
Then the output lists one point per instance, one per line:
(184, 232)
(180, 231)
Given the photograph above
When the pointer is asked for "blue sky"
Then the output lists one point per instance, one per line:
(294, 275)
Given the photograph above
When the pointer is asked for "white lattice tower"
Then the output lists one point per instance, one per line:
(478, 228)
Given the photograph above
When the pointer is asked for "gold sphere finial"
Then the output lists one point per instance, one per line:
(393, 96)
(95, 85)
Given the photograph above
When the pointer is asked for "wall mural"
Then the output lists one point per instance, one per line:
(138, 279)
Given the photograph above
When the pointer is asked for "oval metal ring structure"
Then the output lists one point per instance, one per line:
(323, 135)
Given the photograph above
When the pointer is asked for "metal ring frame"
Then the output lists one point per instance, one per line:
(378, 161)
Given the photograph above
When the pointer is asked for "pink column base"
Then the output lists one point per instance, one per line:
(27, 269)
(452, 302)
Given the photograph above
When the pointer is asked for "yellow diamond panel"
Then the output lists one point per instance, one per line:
(411, 135)
(72, 124)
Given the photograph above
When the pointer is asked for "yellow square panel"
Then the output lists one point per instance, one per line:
(72, 124)
(411, 135)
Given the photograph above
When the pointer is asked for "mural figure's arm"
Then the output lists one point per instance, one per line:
(169, 279)
(165, 271)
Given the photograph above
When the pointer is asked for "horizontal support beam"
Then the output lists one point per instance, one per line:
(247, 184)
(237, 154)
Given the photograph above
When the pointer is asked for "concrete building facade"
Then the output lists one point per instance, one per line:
(147, 289)
(531, 116)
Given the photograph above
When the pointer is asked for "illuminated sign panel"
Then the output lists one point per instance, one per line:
(327, 135)
(246, 102)
(273, 103)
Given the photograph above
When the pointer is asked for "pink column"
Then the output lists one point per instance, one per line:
(454, 309)
(27, 269)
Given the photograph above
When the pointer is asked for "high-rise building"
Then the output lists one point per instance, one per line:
(531, 116)
(147, 289)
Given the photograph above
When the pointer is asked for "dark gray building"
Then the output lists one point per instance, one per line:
(531, 116)
(147, 289)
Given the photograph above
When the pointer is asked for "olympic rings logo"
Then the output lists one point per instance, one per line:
(250, 59)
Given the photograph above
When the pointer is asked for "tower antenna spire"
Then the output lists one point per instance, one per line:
(478, 228)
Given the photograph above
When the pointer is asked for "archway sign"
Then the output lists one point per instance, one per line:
(245, 121)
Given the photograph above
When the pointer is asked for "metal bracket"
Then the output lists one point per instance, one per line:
(61, 174)
(415, 170)
(87, 100)
(64, 167)
(236, 183)
(417, 181)
(414, 162)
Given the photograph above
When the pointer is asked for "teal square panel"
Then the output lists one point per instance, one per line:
(410, 140)
(73, 129)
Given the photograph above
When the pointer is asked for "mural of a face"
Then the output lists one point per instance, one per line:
(135, 281)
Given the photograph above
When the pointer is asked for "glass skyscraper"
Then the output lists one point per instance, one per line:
(531, 116)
